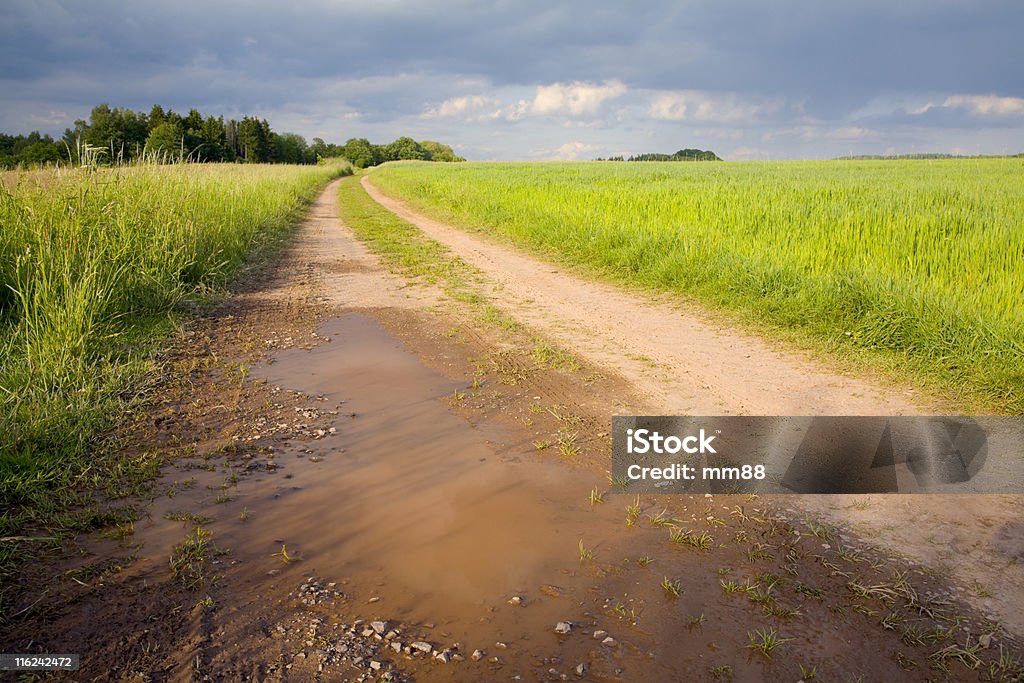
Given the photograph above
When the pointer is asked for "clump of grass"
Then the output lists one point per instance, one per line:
(567, 446)
(633, 512)
(766, 641)
(659, 519)
(179, 516)
(596, 496)
(722, 672)
(286, 557)
(190, 558)
(549, 356)
(673, 587)
(585, 553)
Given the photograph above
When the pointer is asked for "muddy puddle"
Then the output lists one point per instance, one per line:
(467, 539)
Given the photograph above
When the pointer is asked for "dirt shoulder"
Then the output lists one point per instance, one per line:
(365, 478)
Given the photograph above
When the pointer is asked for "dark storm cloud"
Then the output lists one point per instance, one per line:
(380, 62)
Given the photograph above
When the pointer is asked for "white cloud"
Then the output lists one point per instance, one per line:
(573, 99)
(576, 99)
(461, 107)
(987, 105)
(706, 106)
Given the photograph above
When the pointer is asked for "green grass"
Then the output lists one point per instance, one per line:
(94, 268)
(912, 265)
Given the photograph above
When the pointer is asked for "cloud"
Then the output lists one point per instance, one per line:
(461, 107)
(718, 107)
(506, 77)
(576, 98)
(980, 105)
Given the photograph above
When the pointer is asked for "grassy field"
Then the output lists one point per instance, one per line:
(92, 266)
(920, 264)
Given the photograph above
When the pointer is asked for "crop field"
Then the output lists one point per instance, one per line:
(92, 263)
(919, 263)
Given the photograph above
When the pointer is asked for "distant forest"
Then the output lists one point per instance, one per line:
(681, 155)
(115, 135)
(862, 157)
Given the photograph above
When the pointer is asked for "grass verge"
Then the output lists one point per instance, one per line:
(96, 268)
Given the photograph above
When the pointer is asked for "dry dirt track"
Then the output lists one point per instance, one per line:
(681, 362)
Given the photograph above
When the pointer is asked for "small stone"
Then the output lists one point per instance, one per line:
(600, 634)
(375, 665)
(391, 635)
(563, 627)
(379, 626)
(443, 657)
(367, 632)
(357, 660)
(396, 646)
(422, 646)
(373, 600)
(985, 640)
(581, 669)
(515, 600)
(478, 655)
(609, 642)
(501, 646)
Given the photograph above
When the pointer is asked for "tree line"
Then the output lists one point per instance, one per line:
(681, 155)
(116, 135)
(363, 153)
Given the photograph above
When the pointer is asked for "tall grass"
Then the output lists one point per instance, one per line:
(922, 261)
(92, 262)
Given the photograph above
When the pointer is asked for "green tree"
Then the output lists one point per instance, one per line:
(156, 117)
(166, 141)
(290, 148)
(435, 151)
(361, 153)
(404, 148)
(121, 132)
(213, 141)
(254, 140)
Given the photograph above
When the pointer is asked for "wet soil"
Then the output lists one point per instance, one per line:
(364, 483)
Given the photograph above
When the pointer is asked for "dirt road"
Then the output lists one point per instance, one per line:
(365, 481)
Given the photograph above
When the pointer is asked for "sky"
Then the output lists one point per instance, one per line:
(519, 79)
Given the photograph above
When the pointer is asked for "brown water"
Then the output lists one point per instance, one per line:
(445, 517)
